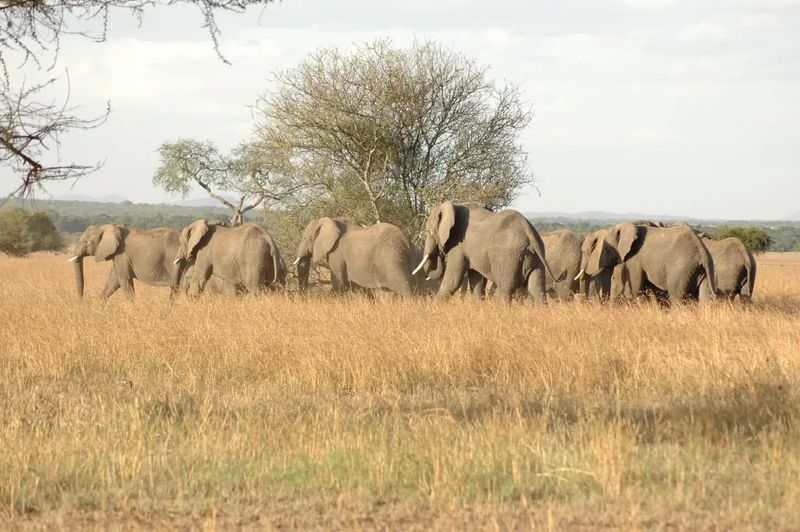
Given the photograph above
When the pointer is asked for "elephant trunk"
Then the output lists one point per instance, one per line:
(276, 267)
(303, 265)
(78, 265)
(177, 277)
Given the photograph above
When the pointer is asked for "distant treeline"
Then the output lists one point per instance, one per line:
(72, 217)
(784, 236)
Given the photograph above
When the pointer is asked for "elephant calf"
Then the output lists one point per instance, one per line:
(563, 249)
(734, 268)
(244, 256)
(379, 256)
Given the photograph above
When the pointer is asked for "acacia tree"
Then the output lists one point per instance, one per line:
(382, 133)
(188, 162)
(30, 33)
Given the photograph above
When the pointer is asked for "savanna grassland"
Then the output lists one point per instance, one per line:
(278, 411)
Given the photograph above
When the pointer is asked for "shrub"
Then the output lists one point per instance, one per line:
(23, 232)
(755, 238)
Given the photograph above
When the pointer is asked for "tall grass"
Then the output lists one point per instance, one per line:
(346, 412)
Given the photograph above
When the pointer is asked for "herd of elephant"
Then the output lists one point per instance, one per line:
(467, 247)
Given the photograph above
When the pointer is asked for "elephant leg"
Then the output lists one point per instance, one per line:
(453, 276)
(199, 280)
(704, 292)
(125, 278)
(339, 281)
(112, 285)
(477, 284)
(399, 282)
(503, 292)
(678, 288)
(633, 281)
(563, 291)
(537, 286)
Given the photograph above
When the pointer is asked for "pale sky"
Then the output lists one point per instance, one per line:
(686, 108)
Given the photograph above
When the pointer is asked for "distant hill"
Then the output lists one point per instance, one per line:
(612, 217)
(109, 198)
(601, 215)
(114, 198)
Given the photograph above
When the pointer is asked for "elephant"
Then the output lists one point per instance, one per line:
(596, 286)
(245, 256)
(501, 247)
(374, 257)
(563, 249)
(606, 284)
(667, 260)
(142, 254)
(472, 282)
(734, 268)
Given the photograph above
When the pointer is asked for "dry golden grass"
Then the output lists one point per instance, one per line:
(350, 413)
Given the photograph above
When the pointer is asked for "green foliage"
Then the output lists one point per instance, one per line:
(755, 238)
(23, 232)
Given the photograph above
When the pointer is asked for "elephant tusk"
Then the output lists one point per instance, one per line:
(176, 261)
(421, 264)
(296, 261)
(73, 259)
(428, 278)
(580, 274)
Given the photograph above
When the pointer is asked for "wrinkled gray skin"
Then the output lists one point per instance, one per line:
(144, 255)
(375, 257)
(245, 256)
(501, 247)
(669, 260)
(734, 268)
(563, 249)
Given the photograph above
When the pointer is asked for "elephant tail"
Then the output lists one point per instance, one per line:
(536, 246)
(708, 265)
(746, 292)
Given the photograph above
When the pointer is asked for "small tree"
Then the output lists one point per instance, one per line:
(383, 134)
(755, 238)
(189, 162)
(22, 232)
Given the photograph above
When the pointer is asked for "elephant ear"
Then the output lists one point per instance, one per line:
(446, 219)
(625, 236)
(108, 243)
(326, 237)
(595, 245)
(192, 235)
